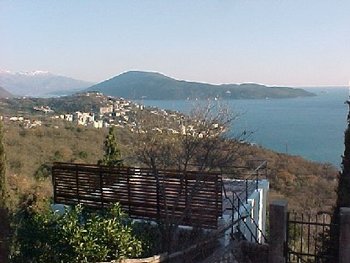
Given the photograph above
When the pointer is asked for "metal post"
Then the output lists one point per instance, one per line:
(246, 191)
(287, 236)
(233, 213)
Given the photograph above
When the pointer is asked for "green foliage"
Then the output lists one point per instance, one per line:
(58, 156)
(112, 155)
(2, 170)
(343, 194)
(78, 235)
(150, 236)
(43, 172)
(83, 155)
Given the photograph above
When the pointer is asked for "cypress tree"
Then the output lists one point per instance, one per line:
(343, 191)
(2, 170)
(112, 155)
(4, 218)
(343, 196)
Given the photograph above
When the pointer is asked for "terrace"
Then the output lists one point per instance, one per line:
(196, 199)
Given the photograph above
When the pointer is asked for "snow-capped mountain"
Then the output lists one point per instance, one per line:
(39, 83)
(4, 93)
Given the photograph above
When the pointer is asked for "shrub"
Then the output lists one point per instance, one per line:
(78, 235)
(44, 171)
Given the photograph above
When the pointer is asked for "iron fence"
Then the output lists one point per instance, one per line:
(309, 238)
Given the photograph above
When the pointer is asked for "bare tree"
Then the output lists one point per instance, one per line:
(199, 142)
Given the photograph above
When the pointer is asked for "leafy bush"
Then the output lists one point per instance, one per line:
(150, 236)
(43, 172)
(78, 235)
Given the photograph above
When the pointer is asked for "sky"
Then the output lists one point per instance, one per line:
(273, 42)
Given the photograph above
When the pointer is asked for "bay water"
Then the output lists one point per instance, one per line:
(312, 127)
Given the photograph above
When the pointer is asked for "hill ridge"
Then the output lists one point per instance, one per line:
(155, 85)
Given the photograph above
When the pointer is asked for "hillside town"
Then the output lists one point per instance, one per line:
(111, 111)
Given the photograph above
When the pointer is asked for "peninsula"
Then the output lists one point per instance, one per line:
(156, 86)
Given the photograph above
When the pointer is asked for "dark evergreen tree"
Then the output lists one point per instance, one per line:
(4, 218)
(112, 155)
(343, 197)
(343, 191)
(2, 171)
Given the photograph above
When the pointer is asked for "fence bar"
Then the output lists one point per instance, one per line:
(308, 234)
(313, 232)
(246, 191)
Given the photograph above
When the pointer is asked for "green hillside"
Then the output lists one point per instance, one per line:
(149, 85)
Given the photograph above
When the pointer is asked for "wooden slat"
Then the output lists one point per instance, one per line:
(194, 197)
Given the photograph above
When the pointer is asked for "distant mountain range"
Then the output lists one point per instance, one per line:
(151, 85)
(39, 83)
(4, 93)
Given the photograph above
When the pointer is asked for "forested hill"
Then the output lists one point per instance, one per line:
(150, 85)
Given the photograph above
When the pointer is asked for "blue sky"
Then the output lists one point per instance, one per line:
(274, 42)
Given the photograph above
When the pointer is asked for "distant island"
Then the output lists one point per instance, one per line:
(155, 86)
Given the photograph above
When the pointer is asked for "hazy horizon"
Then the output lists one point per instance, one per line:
(197, 81)
(277, 43)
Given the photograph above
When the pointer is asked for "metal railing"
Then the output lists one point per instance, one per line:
(308, 238)
(239, 202)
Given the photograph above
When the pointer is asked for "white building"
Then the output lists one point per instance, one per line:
(106, 110)
(83, 118)
(98, 124)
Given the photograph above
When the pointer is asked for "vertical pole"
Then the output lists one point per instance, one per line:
(158, 194)
(278, 231)
(246, 191)
(233, 213)
(54, 183)
(316, 231)
(301, 233)
(77, 181)
(101, 187)
(186, 191)
(308, 234)
(217, 191)
(295, 232)
(287, 236)
(129, 190)
(344, 235)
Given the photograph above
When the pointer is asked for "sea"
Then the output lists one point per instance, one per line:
(310, 127)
